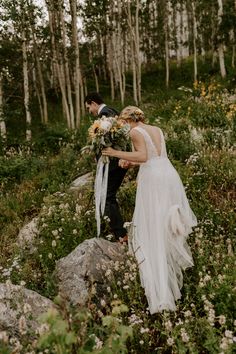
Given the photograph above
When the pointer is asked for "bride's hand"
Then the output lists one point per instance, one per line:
(108, 151)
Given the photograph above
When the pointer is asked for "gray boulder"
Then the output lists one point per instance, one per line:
(90, 262)
(20, 309)
(81, 183)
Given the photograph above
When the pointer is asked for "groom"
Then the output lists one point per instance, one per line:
(96, 106)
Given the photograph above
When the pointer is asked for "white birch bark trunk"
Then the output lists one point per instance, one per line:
(137, 47)
(26, 87)
(166, 30)
(134, 58)
(37, 94)
(44, 112)
(3, 130)
(233, 39)
(57, 61)
(176, 20)
(221, 46)
(77, 73)
(66, 68)
(194, 41)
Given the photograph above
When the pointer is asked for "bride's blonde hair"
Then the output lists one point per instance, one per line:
(133, 113)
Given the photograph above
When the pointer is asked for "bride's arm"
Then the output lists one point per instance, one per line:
(140, 153)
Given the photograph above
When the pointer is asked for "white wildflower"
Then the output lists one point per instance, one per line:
(170, 341)
(184, 335)
(22, 325)
(105, 124)
(228, 334)
(168, 325)
(187, 313)
(224, 344)
(54, 243)
(27, 308)
(221, 319)
(144, 330)
(103, 303)
(108, 272)
(134, 319)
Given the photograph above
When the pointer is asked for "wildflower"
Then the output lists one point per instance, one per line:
(141, 342)
(222, 319)
(168, 325)
(211, 317)
(103, 303)
(144, 330)
(22, 325)
(55, 232)
(27, 308)
(54, 243)
(187, 313)
(134, 319)
(228, 334)
(100, 314)
(224, 344)
(98, 343)
(108, 273)
(170, 341)
(49, 255)
(74, 232)
(22, 283)
(184, 335)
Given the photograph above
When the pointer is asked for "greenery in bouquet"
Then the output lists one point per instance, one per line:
(108, 132)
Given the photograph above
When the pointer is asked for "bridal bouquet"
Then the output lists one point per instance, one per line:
(105, 132)
(108, 132)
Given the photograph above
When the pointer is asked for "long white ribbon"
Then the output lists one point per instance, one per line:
(100, 191)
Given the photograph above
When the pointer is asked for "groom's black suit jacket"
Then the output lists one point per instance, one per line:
(115, 177)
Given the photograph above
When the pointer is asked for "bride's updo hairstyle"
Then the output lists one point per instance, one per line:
(132, 113)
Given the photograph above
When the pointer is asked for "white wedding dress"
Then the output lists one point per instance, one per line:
(161, 223)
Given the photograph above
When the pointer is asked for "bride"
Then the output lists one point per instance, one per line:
(162, 218)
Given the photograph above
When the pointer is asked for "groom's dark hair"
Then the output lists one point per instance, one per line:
(95, 97)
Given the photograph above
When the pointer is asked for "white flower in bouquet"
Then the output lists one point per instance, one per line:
(105, 124)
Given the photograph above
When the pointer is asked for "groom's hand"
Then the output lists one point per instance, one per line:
(124, 163)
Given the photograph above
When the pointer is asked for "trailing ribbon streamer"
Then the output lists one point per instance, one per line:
(100, 190)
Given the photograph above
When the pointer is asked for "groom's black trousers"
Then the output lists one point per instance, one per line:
(115, 177)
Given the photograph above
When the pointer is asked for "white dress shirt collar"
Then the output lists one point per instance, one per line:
(101, 107)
